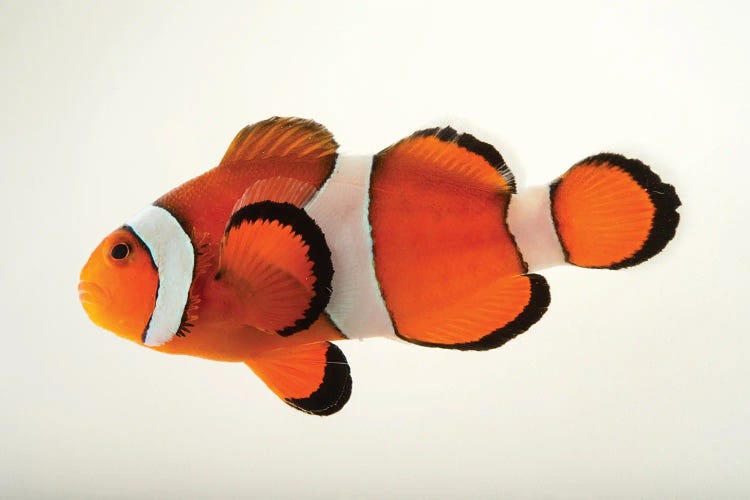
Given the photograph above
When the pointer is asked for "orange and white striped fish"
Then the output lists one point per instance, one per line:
(285, 247)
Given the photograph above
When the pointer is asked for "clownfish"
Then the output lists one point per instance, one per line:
(285, 247)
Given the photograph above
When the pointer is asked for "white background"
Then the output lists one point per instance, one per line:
(634, 384)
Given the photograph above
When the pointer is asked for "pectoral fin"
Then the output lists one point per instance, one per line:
(278, 189)
(276, 261)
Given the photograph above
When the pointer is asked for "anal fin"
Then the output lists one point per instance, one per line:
(485, 320)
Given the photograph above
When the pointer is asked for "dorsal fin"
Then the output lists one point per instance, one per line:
(277, 137)
(433, 147)
(278, 147)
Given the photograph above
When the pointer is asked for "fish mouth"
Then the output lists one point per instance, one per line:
(91, 295)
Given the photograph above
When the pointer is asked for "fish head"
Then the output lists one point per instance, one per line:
(118, 285)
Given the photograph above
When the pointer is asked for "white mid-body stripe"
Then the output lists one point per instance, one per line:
(341, 211)
(174, 257)
(530, 223)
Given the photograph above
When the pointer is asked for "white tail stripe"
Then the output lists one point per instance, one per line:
(530, 223)
(174, 257)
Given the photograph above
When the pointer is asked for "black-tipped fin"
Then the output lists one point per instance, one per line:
(313, 378)
(276, 260)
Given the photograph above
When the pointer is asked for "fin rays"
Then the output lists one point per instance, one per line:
(276, 259)
(447, 266)
(613, 212)
(314, 377)
(502, 314)
(280, 137)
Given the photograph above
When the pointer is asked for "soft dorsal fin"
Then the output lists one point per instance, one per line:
(277, 137)
(311, 377)
(276, 262)
(460, 154)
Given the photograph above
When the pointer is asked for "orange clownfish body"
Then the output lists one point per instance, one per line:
(285, 247)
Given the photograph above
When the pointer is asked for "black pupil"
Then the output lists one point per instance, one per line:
(120, 251)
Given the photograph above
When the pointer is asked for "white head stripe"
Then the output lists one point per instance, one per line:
(530, 223)
(174, 258)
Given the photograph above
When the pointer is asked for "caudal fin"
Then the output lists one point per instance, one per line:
(612, 212)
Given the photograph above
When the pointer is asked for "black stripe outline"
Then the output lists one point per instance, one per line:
(185, 327)
(158, 276)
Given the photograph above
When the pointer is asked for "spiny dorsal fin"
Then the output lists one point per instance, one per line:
(277, 137)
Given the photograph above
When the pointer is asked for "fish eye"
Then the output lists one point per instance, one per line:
(119, 251)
